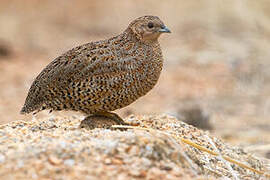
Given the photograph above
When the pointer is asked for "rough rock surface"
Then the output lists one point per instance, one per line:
(57, 148)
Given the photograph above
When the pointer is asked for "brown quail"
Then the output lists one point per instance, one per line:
(99, 77)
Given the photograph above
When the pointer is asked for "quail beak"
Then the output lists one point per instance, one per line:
(164, 29)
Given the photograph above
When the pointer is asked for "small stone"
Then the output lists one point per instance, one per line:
(69, 162)
(20, 164)
(2, 158)
(34, 176)
(54, 160)
(166, 168)
(117, 161)
(63, 144)
(137, 173)
(108, 161)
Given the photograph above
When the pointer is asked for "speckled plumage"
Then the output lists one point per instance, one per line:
(101, 76)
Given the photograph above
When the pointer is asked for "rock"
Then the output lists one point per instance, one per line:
(60, 148)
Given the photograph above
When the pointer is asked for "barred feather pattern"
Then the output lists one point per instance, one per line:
(98, 76)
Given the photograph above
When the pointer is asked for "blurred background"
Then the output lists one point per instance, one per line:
(217, 58)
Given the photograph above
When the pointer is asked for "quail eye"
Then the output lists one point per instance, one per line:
(150, 25)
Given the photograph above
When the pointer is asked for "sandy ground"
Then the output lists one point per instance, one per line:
(216, 58)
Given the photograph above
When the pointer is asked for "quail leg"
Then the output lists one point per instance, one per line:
(102, 120)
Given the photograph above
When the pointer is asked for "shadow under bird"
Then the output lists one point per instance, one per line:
(99, 77)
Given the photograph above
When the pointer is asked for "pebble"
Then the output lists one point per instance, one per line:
(2, 158)
(69, 162)
(54, 160)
